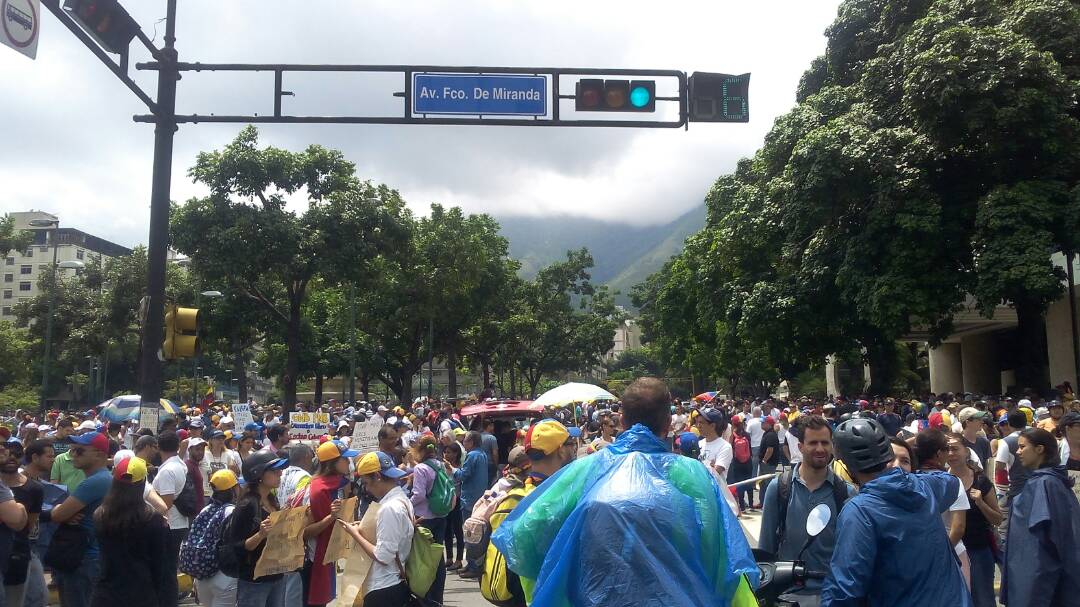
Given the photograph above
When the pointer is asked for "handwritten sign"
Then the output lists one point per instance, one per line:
(148, 417)
(283, 550)
(308, 426)
(365, 436)
(241, 414)
(341, 542)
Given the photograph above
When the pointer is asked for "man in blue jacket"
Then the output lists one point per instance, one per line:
(891, 546)
(472, 475)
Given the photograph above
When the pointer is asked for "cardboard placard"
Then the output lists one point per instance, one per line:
(149, 417)
(308, 426)
(241, 414)
(365, 436)
(341, 542)
(352, 581)
(283, 549)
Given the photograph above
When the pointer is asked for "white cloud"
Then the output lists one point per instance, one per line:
(68, 144)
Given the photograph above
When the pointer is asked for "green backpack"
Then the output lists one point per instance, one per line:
(441, 496)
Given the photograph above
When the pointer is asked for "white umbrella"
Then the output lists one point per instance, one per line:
(573, 392)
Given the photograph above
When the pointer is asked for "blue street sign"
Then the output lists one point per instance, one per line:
(472, 94)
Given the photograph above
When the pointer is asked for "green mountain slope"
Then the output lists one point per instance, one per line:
(624, 254)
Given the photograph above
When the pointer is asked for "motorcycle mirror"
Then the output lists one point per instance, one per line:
(818, 519)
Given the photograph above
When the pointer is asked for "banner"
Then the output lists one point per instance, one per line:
(283, 550)
(241, 414)
(308, 426)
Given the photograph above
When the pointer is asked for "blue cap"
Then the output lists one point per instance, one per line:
(688, 441)
(251, 426)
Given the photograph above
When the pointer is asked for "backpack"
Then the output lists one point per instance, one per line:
(478, 524)
(441, 496)
(783, 497)
(741, 447)
(185, 500)
(498, 584)
(199, 552)
(231, 556)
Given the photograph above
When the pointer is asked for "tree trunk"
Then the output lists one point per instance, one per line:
(292, 359)
(451, 372)
(513, 383)
(365, 385)
(404, 391)
(318, 389)
(1031, 371)
(239, 371)
(881, 357)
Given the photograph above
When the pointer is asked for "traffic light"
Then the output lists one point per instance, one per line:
(719, 97)
(181, 333)
(105, 20)
(598, 95)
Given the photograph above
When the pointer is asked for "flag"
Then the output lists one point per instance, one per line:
(209, 398)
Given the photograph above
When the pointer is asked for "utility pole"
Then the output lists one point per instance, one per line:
(150, 363)
(352, 344)
(431, 355)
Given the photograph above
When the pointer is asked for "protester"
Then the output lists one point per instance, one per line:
(742, 465)
(215, 588)
(903, 455)
(626, 540)
(810, 483)
(1070, 447)
(196, 451)
(472, 475)
(132, 537)
(1042, 555)
(425, 451)
(171, 480)
(89, 453)
(277, 438)
(770, 455)
(393, 541)
(490, 446)
(24, 569)
(248, 527)
(891, 546)
(980, 520)
(325, 506)
(297, 477)
(217, 457)
(246, 446)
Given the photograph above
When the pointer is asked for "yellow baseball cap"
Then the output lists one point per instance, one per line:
(223, 480)
(547, 436)
(377, 461)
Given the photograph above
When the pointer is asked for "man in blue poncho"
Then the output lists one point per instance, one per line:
(631, 525)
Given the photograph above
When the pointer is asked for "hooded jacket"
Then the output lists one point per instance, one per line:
(631, 525)
(1042, 556)
(891, 546)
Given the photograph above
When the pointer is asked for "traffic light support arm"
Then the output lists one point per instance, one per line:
(408, 116)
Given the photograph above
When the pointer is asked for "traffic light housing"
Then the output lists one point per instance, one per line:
(719, 97)
(599, 95)
(181, 333)
(106, 21)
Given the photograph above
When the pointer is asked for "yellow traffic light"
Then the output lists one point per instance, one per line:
(181, 332)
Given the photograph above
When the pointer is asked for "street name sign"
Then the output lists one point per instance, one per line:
(20, 22)
(480, 95)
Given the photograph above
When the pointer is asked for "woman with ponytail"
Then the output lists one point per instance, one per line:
(426, 452)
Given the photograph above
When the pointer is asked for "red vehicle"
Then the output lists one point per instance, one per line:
(504, 409)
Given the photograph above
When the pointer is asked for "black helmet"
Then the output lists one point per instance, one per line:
(258, 463)
(862, 444)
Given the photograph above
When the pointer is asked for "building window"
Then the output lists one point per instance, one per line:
(29, 252)
(10, 261)
(79, 254)
(7, 310)
(9, 278)
(44, 249)
(25, 286)
(26, 269)
(7, 293)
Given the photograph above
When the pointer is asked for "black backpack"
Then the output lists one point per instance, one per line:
(783, 497)
(185, 501)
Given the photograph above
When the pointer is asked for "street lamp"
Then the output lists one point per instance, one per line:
(195, 359)
(54, 224)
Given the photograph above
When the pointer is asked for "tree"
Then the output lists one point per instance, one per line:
(12, 239)
(14, 364)
(242, 234)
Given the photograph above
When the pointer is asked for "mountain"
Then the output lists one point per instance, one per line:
(624, 254)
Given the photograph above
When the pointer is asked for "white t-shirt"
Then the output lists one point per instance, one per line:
(793, 447)
(754, 429)
(211, 463)
(716, 453)
(961, 503)
(170, 481)
(678, 420)
(1004, 456)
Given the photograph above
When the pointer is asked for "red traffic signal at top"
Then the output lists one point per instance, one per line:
(598, 95)
(105, 20)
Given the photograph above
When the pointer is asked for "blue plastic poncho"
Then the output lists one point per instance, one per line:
(891, 546)
(631, 525)
(1042, 554)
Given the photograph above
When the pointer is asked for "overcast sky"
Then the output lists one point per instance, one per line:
(68, 144)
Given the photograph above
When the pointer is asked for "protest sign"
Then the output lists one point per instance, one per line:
(365, 436)
(149, 417)
(353, 579)
(340, 541)
(283, 550)
(308, 426)
(241, 414)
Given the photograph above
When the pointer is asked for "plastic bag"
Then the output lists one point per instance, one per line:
(631, 525)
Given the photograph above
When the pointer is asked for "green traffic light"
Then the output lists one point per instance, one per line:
(639, 97)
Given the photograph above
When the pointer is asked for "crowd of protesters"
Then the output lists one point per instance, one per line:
(929, 499)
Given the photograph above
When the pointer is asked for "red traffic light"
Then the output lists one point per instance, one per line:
(105, 20)
(596, 95)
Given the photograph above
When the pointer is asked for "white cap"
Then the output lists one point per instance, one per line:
(1024, 403)
(122, 455)
(226, 420)
(195, 442)
(87, 425)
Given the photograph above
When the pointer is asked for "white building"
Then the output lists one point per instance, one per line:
(23, 269)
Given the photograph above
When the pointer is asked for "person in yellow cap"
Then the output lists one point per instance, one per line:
(393, 540)
(324, 493)
(214, 587)
(131, 538)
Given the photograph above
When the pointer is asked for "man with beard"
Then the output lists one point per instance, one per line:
(21, 573)
(790, 497)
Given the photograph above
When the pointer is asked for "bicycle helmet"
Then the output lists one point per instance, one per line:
(862, 444)
(259, 462)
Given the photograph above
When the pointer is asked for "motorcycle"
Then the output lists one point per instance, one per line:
(782, 582)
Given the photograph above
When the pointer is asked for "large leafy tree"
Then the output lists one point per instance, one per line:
(244, 235)
(10, 238)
